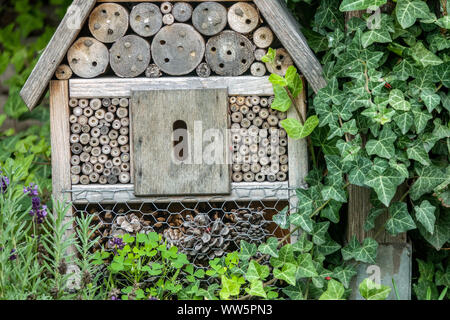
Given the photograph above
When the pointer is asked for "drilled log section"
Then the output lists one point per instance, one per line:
(282, 62)
(168, 19)
(229, 53)
(109, 22)
(258, 69)
(178, 49)
(88, 57)
(243, 17)
(263, 37)
(209, 18)
(153, 71)
(130, 56)
(203, 70)
(63, 72)
(146, 19)
(182, 11)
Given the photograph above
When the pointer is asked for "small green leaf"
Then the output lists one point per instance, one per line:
(371, 291)
(335, 291)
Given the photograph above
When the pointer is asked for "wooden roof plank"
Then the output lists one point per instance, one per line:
(288, 31)
(55, 51)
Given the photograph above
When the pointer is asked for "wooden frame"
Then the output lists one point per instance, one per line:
(115, 87)
(60, 146)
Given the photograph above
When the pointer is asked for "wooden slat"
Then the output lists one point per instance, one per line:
(55, 51)
(115, 87)
(154, 114)
(269, 191)
(288, 31)
(60, 143)
(298, 156)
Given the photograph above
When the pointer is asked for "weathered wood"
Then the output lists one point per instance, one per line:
(229, 53)
(282, 62)
(146, 19)
(243, 17)
(263, 37)
(63, 72)
(298, 156)
(178, 49)
(55, 51)
(61, 157)
(209, 18)
(203, 70)
(130, 56)
(109, 22)
(154, 140)
(288, 32)
(113, 87)
(268, 191)
(258, 69)
(182, 11)
(168, 19)
(153, 71)
(166, 7)
(88, 57)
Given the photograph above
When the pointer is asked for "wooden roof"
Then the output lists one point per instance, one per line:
(275, 13)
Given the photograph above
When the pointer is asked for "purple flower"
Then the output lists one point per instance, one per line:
(117, 243)
(114, 298)
(4, 183)
(31, 190)
(13, 255)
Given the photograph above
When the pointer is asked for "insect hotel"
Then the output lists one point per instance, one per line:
(161, 118)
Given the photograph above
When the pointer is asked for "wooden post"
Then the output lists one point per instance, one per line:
(61, 157)
(298, 156)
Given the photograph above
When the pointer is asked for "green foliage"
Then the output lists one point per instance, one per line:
(371, 291)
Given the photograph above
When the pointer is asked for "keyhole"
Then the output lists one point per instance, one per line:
(180, 140)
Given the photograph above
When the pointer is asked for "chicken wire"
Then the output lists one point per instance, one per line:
(202, 228)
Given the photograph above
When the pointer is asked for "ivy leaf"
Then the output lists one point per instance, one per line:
(400, 219)
(359, 170)
(306, 267)
(270, 247)
(423, 56)
(287, 273)
(373, 215)
(417, 152)
(397, 100)
(408, 11)
(349, 251)
(371, 291)
(320, 230)
(331, 92)
(425, 215)
(335, 192)
(441, 234)
(385, 183)
(353, 5)
(430, 98)
(404, 121)
(230, 287)
(368, 251)
(335, 291)
(302, 220)
(248, 250)
(331, 211)
(375, 35)
(296, 130)
(256, 271)
(294, 82)
(302, 244)
(282, 219)
(420, 119)
(270, 56)
(257, 289)
(384, 146)
(285, 255)
(344, 274)
(293, 292)
(330, 246)
(429, 178)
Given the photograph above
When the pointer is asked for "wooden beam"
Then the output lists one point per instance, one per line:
(267, 191)
(118, 87)
(55, 51)
(288, 32)
(60, 144)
